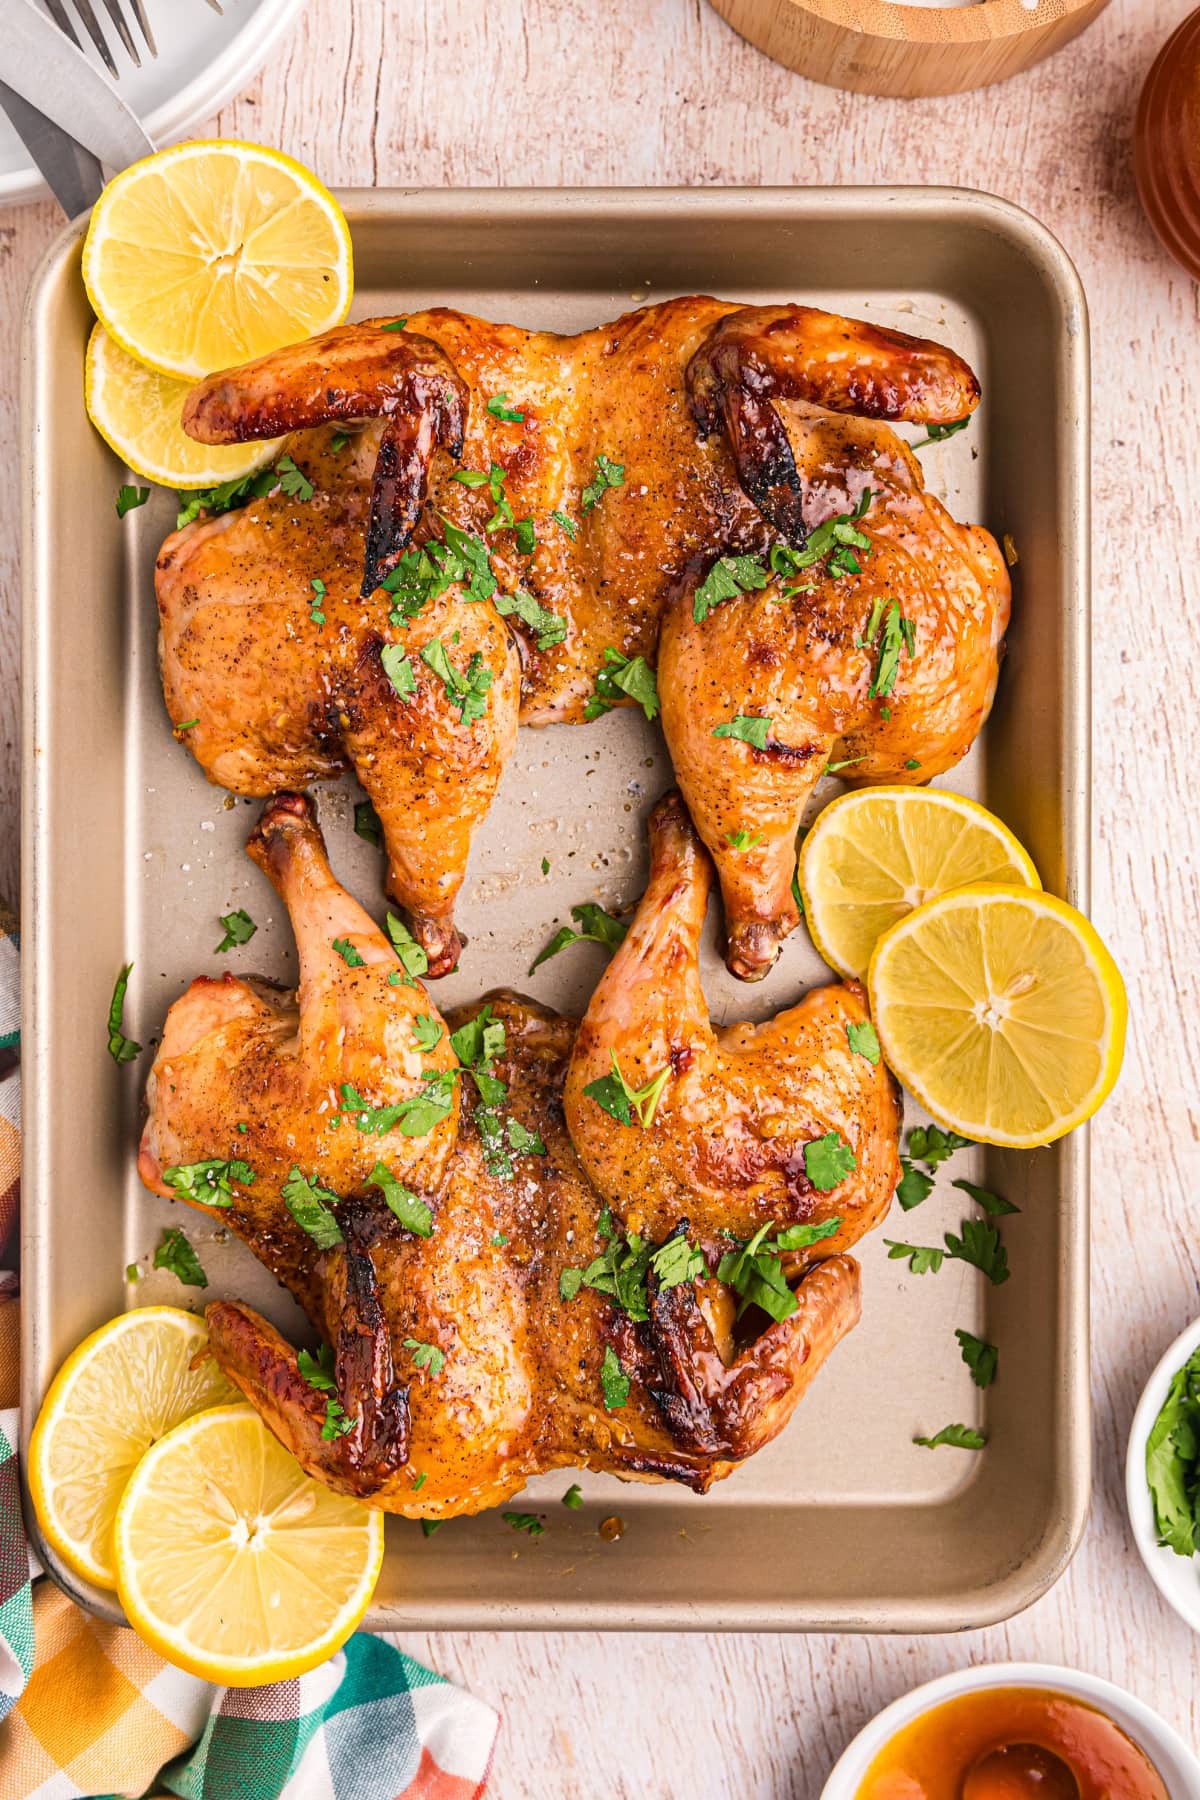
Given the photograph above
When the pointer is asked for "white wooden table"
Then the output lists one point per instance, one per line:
(495, 92)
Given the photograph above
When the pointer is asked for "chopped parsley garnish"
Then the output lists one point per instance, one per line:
(367, 823)
(428, 1031)
(414, 1117)
(121, 1048)
(422, 574)
(620, 1271)
(498, 1240)
(573, 1498)
(318, 1372)
(912, 763)
(413, 959)
(934, 434)
(224, 497)
(993, 1204)
(429, 1526)
(607, 474)
(620, 1101)
(339, 440)
(522, 1141)
(743, 840)
(595, 926)
(499, 408)
(310, 1204)
(466, 691)
(209, 1183)
(980, 1357)
(754, 1272)
(129, 497)
(409, 1208)
(614, 1382)
(623, 675)
(828, 1160)
(176, 1254)
(863, 1041)
(833, 543)
(915, 1186)
(480, 1041)
(397, 666)
(980, 1245)
(677, 1261)
(186, 724)
(474, 563)
(922, 1259)
(545, 865)
(729, 577)
(847, 762)
(551, 628)
(748, 728)
(569, 525)
(525, 537)
(1173, 1462)
(426, 1356)
(394, 325)
(527, 1522)
(239, 929)
(293, 481)
(959, 1437)
(931, 1145)
(319, 591)
(352, 958)
(898, 634)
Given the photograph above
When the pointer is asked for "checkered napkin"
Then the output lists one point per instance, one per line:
(86, 1709)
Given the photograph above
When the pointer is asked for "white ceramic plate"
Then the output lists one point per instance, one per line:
(1179, 1769)
(1177, 1578)
(204, 58)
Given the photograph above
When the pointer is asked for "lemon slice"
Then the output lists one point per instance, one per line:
(212, 253)
(1001, 1011)
(124, 1386)
(136, 412)
(232, 1562)
(875, 854)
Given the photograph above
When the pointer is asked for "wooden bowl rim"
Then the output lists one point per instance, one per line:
(984, 22)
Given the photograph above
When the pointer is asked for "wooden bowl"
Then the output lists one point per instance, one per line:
(1166, 145)
(875, 47)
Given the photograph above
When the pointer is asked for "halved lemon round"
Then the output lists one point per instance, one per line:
(212, 253)
(875, 854)
(136, 411)
(122, 1389)
(232, 1562)
(1001, 1011)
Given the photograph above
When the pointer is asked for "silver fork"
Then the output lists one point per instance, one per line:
(115, 10)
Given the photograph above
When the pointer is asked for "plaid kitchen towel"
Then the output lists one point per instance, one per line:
(87, 1709)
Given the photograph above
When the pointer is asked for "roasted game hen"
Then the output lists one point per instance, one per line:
(470, 480)
(420, 1194)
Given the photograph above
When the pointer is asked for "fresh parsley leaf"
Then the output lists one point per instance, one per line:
(527, 1522)
(863, 1041)
(186, 725)
(993, 1205)
(573, 1498)
(749, 729)
(120, 1048)
(318, 1370)
(426, 1356)
(480, 1041)
(1173, 1462)
(912, 763)
(743, 840)
(522, 1141)
(239, 929)
(847, 762)
(828, 1160)
(931, 1145)
(409, 1208)
(898, 634)
(620, 1101)
(677, 1261)
(934, 434)
(429, 1526)
(569, 1283)
(394, 325)
(595, 927)
(552, 629)
(473, 560)
(470, 478)
(915, 1185)
(499, 408)
(414, 1117)
(397, 666)
(498, 1240)
(568, 524)
(132, 1272)
(607, 474)
(623, 675)
(466, 691)
(754, 1272)
(224, 497)
(293, 481)
(428, 1031)
(367, 823)
(980, 1246)
(129, 497)
(209, 1183)
(922, 1259)
(338, 441)
(980, 1357)
(413, 959)
(614, 1382)
(959, 1437)
(834, 543)
(311, 1205)
(526, 542)
(319, 591)
(352, 958)
(545, 865)
(729, 577)
(803, 1237)
(176, 1254)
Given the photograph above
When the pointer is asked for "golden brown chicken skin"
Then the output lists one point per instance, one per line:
(467, 1356)
(887, 674)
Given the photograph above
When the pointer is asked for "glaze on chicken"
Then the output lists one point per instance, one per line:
(456, 1219)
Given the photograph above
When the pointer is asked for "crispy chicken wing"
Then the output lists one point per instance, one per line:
(438, 1265)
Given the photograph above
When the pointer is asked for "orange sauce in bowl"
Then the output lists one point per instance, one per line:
(929, 1759)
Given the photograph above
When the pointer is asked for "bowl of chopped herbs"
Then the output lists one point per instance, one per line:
(1162, 1475)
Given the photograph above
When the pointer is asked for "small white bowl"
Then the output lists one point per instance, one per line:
(1176, 1764)
(1177, 1578)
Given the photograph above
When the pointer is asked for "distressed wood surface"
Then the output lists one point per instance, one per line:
(482, 92)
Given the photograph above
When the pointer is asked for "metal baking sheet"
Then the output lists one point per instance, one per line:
(130, 855)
